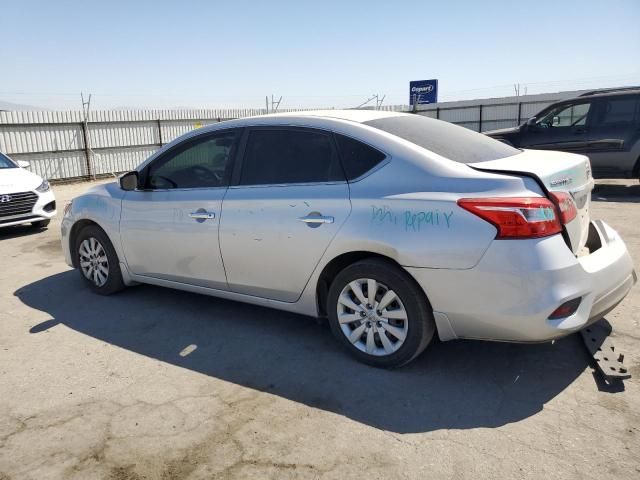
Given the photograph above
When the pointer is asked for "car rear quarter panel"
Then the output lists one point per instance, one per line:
(412, 215)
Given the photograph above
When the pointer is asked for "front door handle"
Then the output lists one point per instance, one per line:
(315, 219)
(201, 215)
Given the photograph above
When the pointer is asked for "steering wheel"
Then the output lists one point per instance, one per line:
(204, 173)
(168, 180)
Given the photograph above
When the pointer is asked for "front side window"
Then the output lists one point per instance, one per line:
(5, 162)
(197, 163)
(574, 115)
(617, 111)
(281, 156)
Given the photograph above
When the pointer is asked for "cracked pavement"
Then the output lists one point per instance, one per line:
(159, 384)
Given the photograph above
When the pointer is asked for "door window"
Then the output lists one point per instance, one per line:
(573, 115)
(197, 163)
(281, 156)
(617, 111)
(357, 158)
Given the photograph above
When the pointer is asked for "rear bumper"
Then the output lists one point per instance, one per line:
(510, 293)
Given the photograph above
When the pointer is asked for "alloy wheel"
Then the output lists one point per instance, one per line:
(93, 261)
(372, 317)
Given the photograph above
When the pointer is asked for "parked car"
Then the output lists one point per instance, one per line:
(394, 226)
(24, 196)
(603, 124)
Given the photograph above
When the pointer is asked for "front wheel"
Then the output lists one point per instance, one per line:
(378, 312)
(97, 261)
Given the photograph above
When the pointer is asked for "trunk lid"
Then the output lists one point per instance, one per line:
(559, 172)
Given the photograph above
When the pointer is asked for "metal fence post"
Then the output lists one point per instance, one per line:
(87, 149)
(438, 113)
(159, 132)
(480, 118)
(519, 112)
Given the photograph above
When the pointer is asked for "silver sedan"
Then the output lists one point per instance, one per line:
(393, 226)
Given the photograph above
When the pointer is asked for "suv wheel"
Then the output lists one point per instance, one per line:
(378, 312)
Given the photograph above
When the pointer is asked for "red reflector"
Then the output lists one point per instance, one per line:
(566, 309)
(516, 217)
(567, 206)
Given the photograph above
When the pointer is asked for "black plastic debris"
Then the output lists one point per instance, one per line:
(608, 360)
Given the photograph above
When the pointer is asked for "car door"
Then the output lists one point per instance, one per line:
(563, 127)
(614, 131)
(289, 199)
(169, 227)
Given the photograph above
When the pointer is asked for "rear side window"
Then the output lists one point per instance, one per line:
(451, 141)
(617, 111)
(357, 158)
(281, 156)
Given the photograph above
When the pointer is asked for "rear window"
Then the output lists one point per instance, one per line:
(451, 141)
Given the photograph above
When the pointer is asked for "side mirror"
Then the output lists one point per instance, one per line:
(531, 122)
(129, 181)
(23, 164)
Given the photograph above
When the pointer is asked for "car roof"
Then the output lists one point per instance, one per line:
(354, 115)
(634, 90)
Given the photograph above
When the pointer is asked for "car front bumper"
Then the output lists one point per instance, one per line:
(510, 294)
(43, 209)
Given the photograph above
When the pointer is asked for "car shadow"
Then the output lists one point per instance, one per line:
(17, 231)
(603, 192)
(454, 385)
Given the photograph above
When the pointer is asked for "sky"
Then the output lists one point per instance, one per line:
(208, 54)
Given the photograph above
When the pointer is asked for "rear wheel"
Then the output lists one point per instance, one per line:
(97, 261)
(378, 312)
(40, 224)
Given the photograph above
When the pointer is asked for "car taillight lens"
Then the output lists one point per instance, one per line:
(566, 205)
(516, 217)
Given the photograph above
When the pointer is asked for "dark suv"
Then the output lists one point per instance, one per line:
(603, 124)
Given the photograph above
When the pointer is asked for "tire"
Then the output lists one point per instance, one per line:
(41, 224)
(404, 339)
(102, 273)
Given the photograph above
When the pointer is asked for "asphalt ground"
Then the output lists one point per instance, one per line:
(159, 384)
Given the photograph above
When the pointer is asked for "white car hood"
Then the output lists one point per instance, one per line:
(14, 180)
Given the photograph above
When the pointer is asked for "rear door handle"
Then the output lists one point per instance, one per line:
(316, 220)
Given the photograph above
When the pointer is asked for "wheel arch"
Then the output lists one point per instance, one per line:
(337, 264)
(76, 228)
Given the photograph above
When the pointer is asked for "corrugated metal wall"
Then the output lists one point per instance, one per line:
(119, 140)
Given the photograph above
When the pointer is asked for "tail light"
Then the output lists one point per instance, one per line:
(566, 205)
(516, 217)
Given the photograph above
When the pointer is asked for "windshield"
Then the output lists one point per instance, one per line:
(6, 162)
(451, 141)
